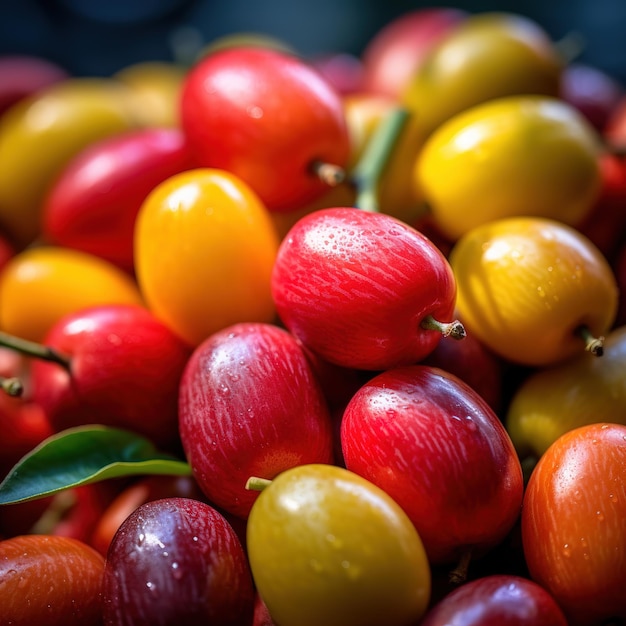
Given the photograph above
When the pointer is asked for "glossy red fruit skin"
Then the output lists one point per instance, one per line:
(574, 523)
(266, 116)
(125, 370)
(436, 447)
(93, 204)
(497, 600)
(354, 287)
(250, 405)
(50, 580)
(396, 51)
(176, 561)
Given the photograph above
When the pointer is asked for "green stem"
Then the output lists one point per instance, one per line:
(454, 329)
(570, 46)
(35, 350)
(367, 172)
(255, 483)
(12, 386)
(593, 344)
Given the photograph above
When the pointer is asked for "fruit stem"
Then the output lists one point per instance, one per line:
(35, 350)
(12, 386)
(255, 483)
(454, 329)
(370, 167)
(570, 46)
(595, 345)
(329, 173)
(459, 574)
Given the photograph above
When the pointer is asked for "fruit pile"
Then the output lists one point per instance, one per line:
(297, 341)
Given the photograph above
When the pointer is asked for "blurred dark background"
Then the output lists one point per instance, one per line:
(99, 37)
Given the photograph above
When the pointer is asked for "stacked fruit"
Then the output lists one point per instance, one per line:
(282, 345)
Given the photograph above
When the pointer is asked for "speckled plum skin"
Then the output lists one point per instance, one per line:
(354, 287)
(431, 442)
(497, 600)
(176, 561)
(125, 367)
(250, 405)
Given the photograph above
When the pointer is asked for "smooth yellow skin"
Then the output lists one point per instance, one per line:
(579, 391)
(42, 284)
(204, 251)
(397, 193)
(40, 135)
(328, 547)
(490, 55)
(155, 87)
(522, 155)
(526, 284)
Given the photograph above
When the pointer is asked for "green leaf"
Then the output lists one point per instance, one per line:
(83, 455)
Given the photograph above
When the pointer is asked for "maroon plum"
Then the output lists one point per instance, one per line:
(497, 600)
(592, 91)
(364, 290)
(433, 444)
(250, 405)
(176, 561)
(24, 75)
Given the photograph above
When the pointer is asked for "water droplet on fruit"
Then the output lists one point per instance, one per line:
(471, 424)
(600, 516)
(567, 551)
(194, 538)
(177, 573)
(225, 389)
(541, 292)
(255, 112)
(604, 426)
(141, 538)
(151, 586)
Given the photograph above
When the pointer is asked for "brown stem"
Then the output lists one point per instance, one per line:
(454, 329)
(12, 386)
(593, 344)
(35, 350)
(459, 574)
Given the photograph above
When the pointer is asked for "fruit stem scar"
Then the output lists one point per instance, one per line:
(329, 173)
(459, 574)
(33, 349)
(454, 329)
(255, 483)
(370, 167)
(12, 386)
(593, 344)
